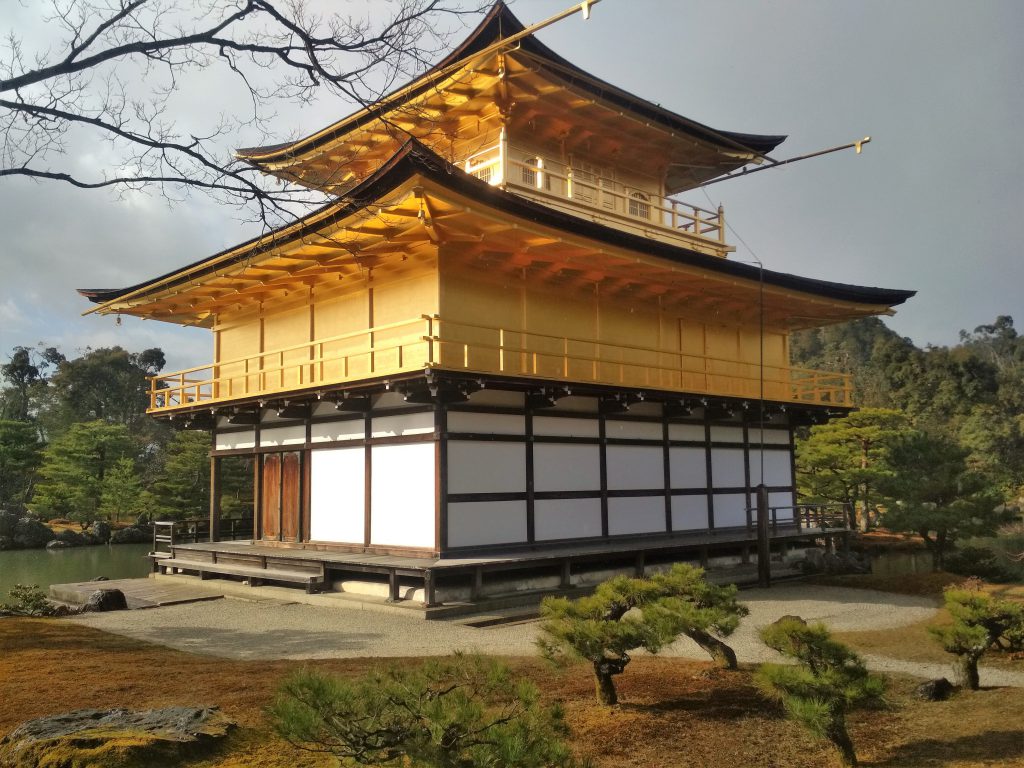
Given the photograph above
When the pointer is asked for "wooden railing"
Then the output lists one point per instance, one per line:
(597, 196)
(523, 353)
(806, 517)
(430, 341)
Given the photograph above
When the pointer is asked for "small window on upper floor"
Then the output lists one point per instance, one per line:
(533, 173)
(639, 205)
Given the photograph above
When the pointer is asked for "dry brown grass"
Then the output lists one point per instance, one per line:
(674, 712)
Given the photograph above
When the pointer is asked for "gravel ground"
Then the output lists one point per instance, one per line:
(244, 629)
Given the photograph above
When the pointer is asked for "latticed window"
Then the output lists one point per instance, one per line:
(639, 205)
(530, 174)
(485, 173)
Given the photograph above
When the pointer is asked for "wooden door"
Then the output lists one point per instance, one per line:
(271, 497)
(291, 496)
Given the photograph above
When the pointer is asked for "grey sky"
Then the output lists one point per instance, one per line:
(934, 203)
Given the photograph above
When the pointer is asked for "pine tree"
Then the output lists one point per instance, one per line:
(628, 613)
(462, 712)
(828, 681)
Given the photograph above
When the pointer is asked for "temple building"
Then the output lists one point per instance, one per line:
(507, 341)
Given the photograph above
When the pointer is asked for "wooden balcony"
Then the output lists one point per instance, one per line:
(430, 341)
(589, 194)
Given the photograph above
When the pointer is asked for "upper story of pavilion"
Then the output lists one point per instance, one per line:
(508, 110)
(509, 217)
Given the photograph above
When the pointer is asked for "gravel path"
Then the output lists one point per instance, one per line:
(244, 629)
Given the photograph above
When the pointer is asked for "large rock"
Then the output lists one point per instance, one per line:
(103, 600)
(935, 690)
(72, 538)
(57, 544)
(31, 534)
(8, 520)
(100, 531)
(131, 535)
(114, 738)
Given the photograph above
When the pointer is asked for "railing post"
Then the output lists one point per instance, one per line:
(764, 567)
(721, 224)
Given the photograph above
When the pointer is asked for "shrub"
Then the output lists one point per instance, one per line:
(462, 712)
(27, 600)
(827, 681)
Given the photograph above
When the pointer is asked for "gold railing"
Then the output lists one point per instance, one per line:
(595, 195)
(429, 341)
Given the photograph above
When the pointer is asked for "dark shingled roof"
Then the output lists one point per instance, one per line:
(499, 23)
(414, 158)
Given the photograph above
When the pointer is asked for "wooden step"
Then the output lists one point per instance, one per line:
(254, 573)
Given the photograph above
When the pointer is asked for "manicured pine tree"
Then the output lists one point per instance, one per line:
(626, 613)
(827, 681)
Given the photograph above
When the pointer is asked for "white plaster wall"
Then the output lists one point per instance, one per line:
(688, 467)
(480, 467)
(686, 432)
(486, 423)
(633, 430)
(283, 436)
(689, 513)
(566, 518)
(726, 434)
(235, 440)
(337, 490)
(350, 429)
(777, 467)
(634, 467)
(730, 510)
(566, 467)
(402, 495)
(771, 436)
(486, 522)
(553, 425)
(403, 424)
(640, 514)
(727, 467)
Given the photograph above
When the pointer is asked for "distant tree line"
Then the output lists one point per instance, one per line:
(938, 442)
(76, 444)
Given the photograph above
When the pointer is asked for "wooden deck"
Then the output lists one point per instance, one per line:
(139, 593)
(258, 563)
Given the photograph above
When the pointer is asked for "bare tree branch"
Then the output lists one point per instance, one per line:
(115, 84)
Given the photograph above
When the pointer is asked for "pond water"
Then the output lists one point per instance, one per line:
(60, 566)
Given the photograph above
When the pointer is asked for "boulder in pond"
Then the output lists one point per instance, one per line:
(73, 538)
(31, 534)
(57, 544)
(100, 531)
(115, 738)
(131, 535)
(103, 600)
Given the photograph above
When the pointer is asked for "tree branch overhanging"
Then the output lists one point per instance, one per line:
(122, 67)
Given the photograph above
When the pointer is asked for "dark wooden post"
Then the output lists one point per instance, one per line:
(764, 567)
(215, 492)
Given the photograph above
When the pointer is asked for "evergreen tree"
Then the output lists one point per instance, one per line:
(980, 622)
(827, 681)
(936, 496)
(20, 455)
(74, 467)
(844, 461)
(122, 494)
(463, 712)
(183, 485)
(624, 614)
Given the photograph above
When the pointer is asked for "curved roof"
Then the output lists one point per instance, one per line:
(414, 159)
(500, 23)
